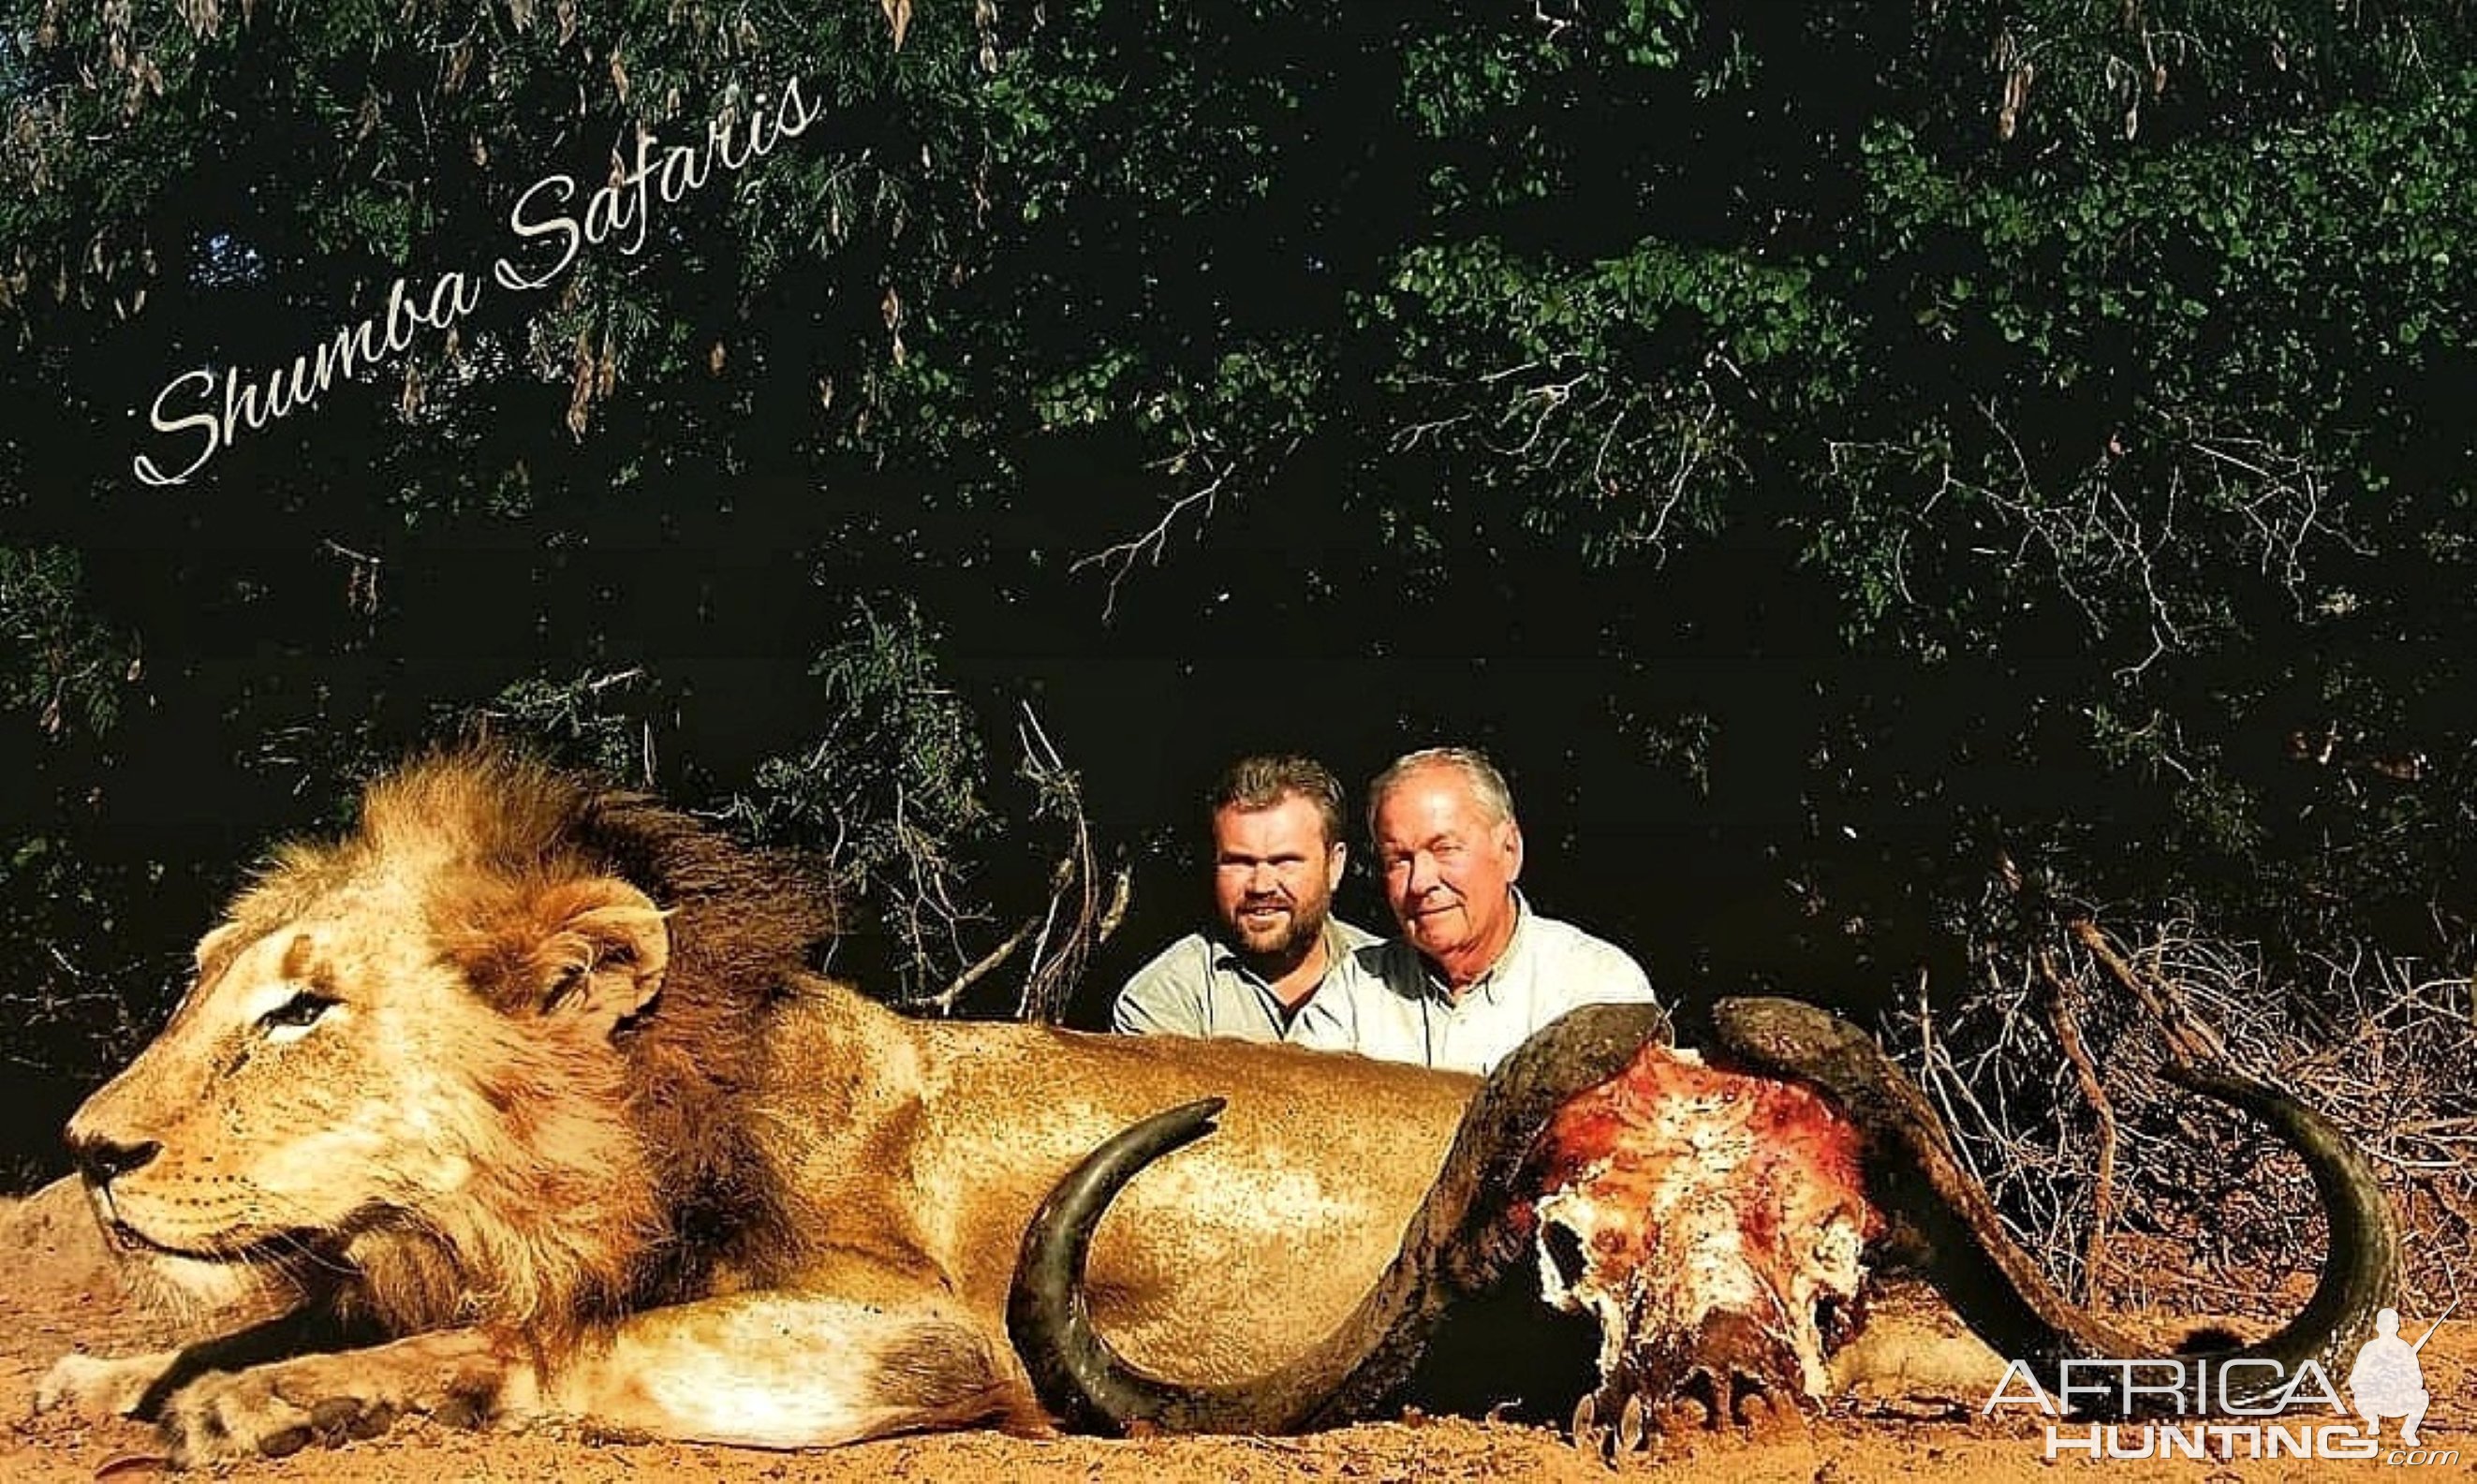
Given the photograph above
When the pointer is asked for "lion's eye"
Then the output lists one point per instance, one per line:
(293, 1018)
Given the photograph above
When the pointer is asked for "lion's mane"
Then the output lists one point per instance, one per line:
(602, 1185)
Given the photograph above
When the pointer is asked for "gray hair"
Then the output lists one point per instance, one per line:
(1486, 783)
(1266, 778)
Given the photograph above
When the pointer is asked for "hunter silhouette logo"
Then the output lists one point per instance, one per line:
(2386, 1381)
(2207, 1408)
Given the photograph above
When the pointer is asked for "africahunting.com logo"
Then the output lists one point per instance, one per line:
(2239, 1408)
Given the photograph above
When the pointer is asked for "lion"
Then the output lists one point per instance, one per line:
(521, 1100)
(524, 1090)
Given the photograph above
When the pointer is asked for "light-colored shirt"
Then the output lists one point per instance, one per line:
(1395, 1007)
(1199, 986)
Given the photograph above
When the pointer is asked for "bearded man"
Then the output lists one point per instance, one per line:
(1261, 972)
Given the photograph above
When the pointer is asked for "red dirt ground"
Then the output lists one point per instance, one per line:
(64, 1297)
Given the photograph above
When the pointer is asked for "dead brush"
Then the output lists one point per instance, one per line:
(2143, 1197)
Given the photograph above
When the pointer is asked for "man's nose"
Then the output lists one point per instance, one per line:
(1423, 873)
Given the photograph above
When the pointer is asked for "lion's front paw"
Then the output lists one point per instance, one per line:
(454, 1377)
(96, 1386)
(272, 1410)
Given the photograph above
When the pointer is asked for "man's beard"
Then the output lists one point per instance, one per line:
(1287, 939)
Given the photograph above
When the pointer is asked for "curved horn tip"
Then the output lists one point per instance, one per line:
(1187, 1122)
(1745, 1020)
(1617, 1027)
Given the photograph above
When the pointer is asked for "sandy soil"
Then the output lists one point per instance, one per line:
(61, 1295)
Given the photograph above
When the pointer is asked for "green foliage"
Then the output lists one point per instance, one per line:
(1816, 445)
(889, 793)
(62, 665)
(585, 721)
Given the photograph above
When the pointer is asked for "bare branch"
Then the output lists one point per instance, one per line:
(1146, 548)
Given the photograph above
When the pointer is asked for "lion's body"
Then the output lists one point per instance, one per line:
(1235, 1254)
(536, 1078)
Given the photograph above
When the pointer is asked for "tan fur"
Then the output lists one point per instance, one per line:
(582, 1126)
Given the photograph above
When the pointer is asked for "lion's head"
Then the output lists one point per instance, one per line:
(475, 1061)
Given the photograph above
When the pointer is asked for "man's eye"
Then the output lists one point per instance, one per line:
(298, 1013)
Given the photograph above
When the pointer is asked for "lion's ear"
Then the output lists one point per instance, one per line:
(600, 955)
(216, 949)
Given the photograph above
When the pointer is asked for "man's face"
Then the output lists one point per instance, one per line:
(1273, 877)
(1449, 870)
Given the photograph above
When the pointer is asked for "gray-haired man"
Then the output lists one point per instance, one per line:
(1476, 970)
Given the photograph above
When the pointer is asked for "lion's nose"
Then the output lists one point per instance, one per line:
(103, 1160)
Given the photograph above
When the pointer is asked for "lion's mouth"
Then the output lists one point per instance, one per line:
(277, 1248)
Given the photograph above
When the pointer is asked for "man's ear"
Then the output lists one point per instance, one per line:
(598, 953)
(1337, 861)
(1511, 842)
